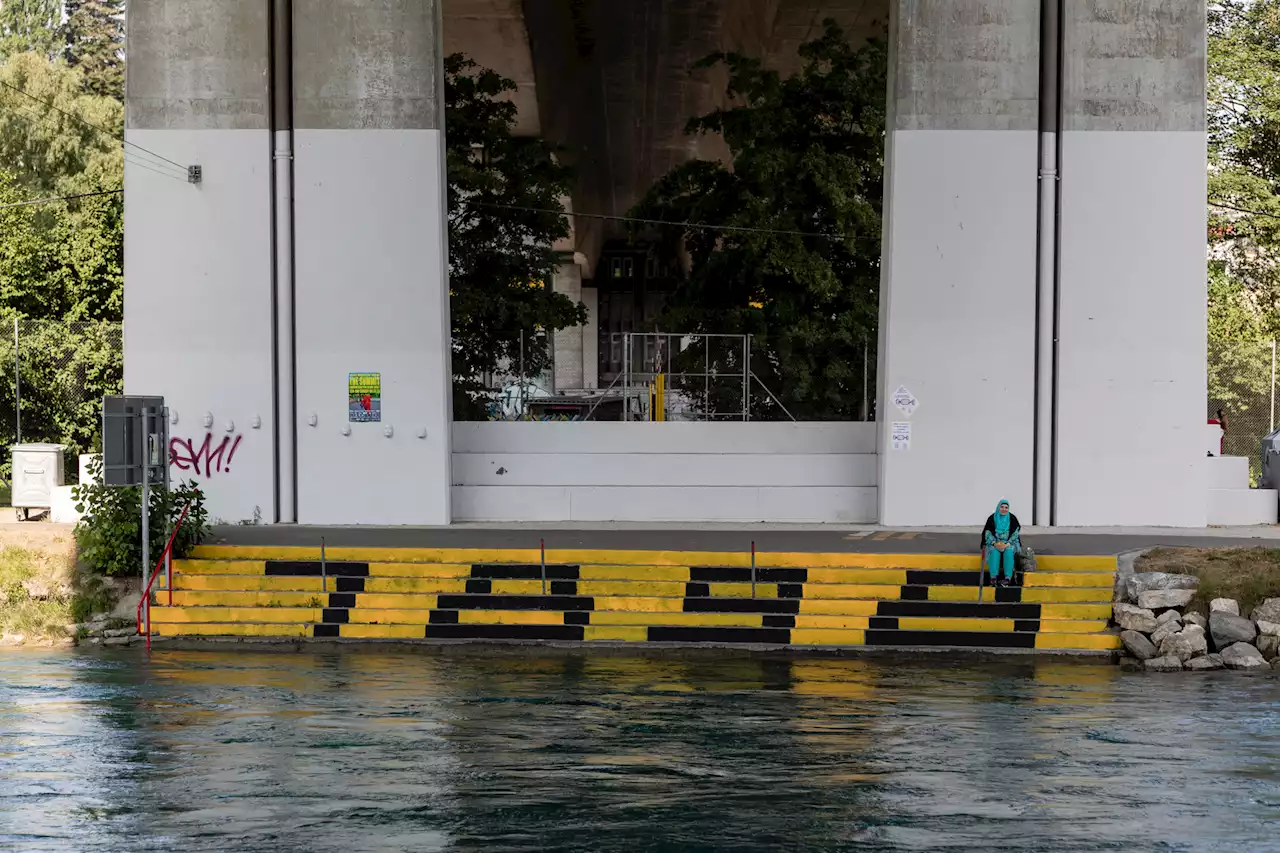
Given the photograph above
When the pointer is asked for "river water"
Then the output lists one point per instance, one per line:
(351, 750)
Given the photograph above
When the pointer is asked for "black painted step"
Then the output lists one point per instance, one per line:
(965, 639)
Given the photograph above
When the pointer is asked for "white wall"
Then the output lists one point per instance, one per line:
(372, 297)
(958, 323)
(1131, 363)
(198, 323)
(532, 471)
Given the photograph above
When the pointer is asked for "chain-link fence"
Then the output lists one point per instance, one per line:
(56, 373)
(1243, 388)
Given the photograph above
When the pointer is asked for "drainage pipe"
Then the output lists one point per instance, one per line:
(1047, 262)
(282, 178)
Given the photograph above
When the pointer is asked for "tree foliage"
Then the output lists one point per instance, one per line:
(1244, 147)
(806, 176)
(94, 35)
(30, 26)
(505, 214)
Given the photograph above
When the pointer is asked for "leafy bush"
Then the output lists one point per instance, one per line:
(109, 535)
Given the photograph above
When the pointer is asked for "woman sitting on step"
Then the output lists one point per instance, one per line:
(1000, 544)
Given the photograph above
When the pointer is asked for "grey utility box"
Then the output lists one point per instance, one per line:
(1270, 478)
(37, 471)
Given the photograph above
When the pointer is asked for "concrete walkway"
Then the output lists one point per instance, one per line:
(722, 537)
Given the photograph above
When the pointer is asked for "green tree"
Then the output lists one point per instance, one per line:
(29, 26)
(94, 33)
(504, 217)
(805, 183)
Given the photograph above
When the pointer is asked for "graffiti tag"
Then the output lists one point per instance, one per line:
(205, 459)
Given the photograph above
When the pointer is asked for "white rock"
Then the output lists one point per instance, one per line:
(1268, 646)
(1142, 582)
(1224, 605)
(1166, 630)
(1132, 618)
(1186, 644)
(1227, 629)
(1204, 663)
(1138, 645)
(1195, 619)
(1268, 629)
(1243, 656)
(1162, 599)
(1267, 611)
(1168, 663)
(1167, 616)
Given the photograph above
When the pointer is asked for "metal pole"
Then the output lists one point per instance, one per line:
(163, 460)
(1047, 263)
(17, 380)
(1273, 386)
(753, 568)
(706, 381)
(146, 519)
(746, 377)
(324, 569)
(286, 406)
(542, 546)
(866, 356)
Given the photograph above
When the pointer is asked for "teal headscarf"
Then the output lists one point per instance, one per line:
(1002, 521)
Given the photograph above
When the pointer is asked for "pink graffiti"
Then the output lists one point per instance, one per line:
(213, 458)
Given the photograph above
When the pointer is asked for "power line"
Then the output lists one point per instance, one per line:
(146, 164)
(163, 165)
(90, 124)
(58, 198)
(703, 225)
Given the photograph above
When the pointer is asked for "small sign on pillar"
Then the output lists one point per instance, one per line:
(364, 397)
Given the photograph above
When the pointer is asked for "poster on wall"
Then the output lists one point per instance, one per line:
(905, 400)
(364, 397)
(900, 435)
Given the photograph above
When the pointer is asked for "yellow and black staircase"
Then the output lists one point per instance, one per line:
(796, 599)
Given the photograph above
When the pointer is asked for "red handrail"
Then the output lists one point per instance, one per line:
(155, 573)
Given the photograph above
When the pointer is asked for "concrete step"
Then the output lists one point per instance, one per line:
(1228, 472)
(1237, 507)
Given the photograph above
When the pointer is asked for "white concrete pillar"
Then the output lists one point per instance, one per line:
(958, 292)
(1131, 350)
(198, 258)
(568, 343)
(372, 289)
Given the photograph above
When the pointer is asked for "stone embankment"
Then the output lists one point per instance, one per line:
(1162, 633)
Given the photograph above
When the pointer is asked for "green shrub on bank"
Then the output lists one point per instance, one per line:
(109, 535)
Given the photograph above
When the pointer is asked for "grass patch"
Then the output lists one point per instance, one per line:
(1248, 575)
(64, 596)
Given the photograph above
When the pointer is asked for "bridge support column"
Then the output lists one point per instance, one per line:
(372, 292)
(198, 257)
(1131, 350)
(958, 292)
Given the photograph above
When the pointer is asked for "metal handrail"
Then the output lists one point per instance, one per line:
(155, 573)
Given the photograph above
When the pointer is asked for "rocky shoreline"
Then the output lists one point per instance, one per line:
(1163, 633)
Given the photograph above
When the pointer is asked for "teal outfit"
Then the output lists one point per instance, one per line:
(1001, 528)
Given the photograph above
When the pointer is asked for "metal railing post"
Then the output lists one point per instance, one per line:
(324, 569)
(753, 568)
(542, 547)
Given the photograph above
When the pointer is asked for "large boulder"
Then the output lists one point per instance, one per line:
(1163, 599)
(1142, 582)
(1205, 663)
(1224, 605)
(1168, 663)
(1268, 646)
(1188, 643)
(1130, 664)
(1133, 618)
(1243, 656)
(1268, 629)
(1168, 629)
(1168, 616)
(1195, 619)
(1227, 629)
(1138, 645)
(1267, 611)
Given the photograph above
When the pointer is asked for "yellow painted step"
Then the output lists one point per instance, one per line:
(831, 622)
(615, 633)
(415, 585)
(1075, 611)
(244, 583)
(220, 567)
(597, 557)
(395, 601)
(881, 592)
(1086, 642)
(234, 614)
(220, 598)
(827, 637)
(718, 620)
(1069, 579)
(1030, 595)
(233, 629)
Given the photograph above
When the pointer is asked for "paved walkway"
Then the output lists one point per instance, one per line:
(686, 537)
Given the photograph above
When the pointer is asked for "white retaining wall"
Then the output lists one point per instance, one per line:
(531, 471)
